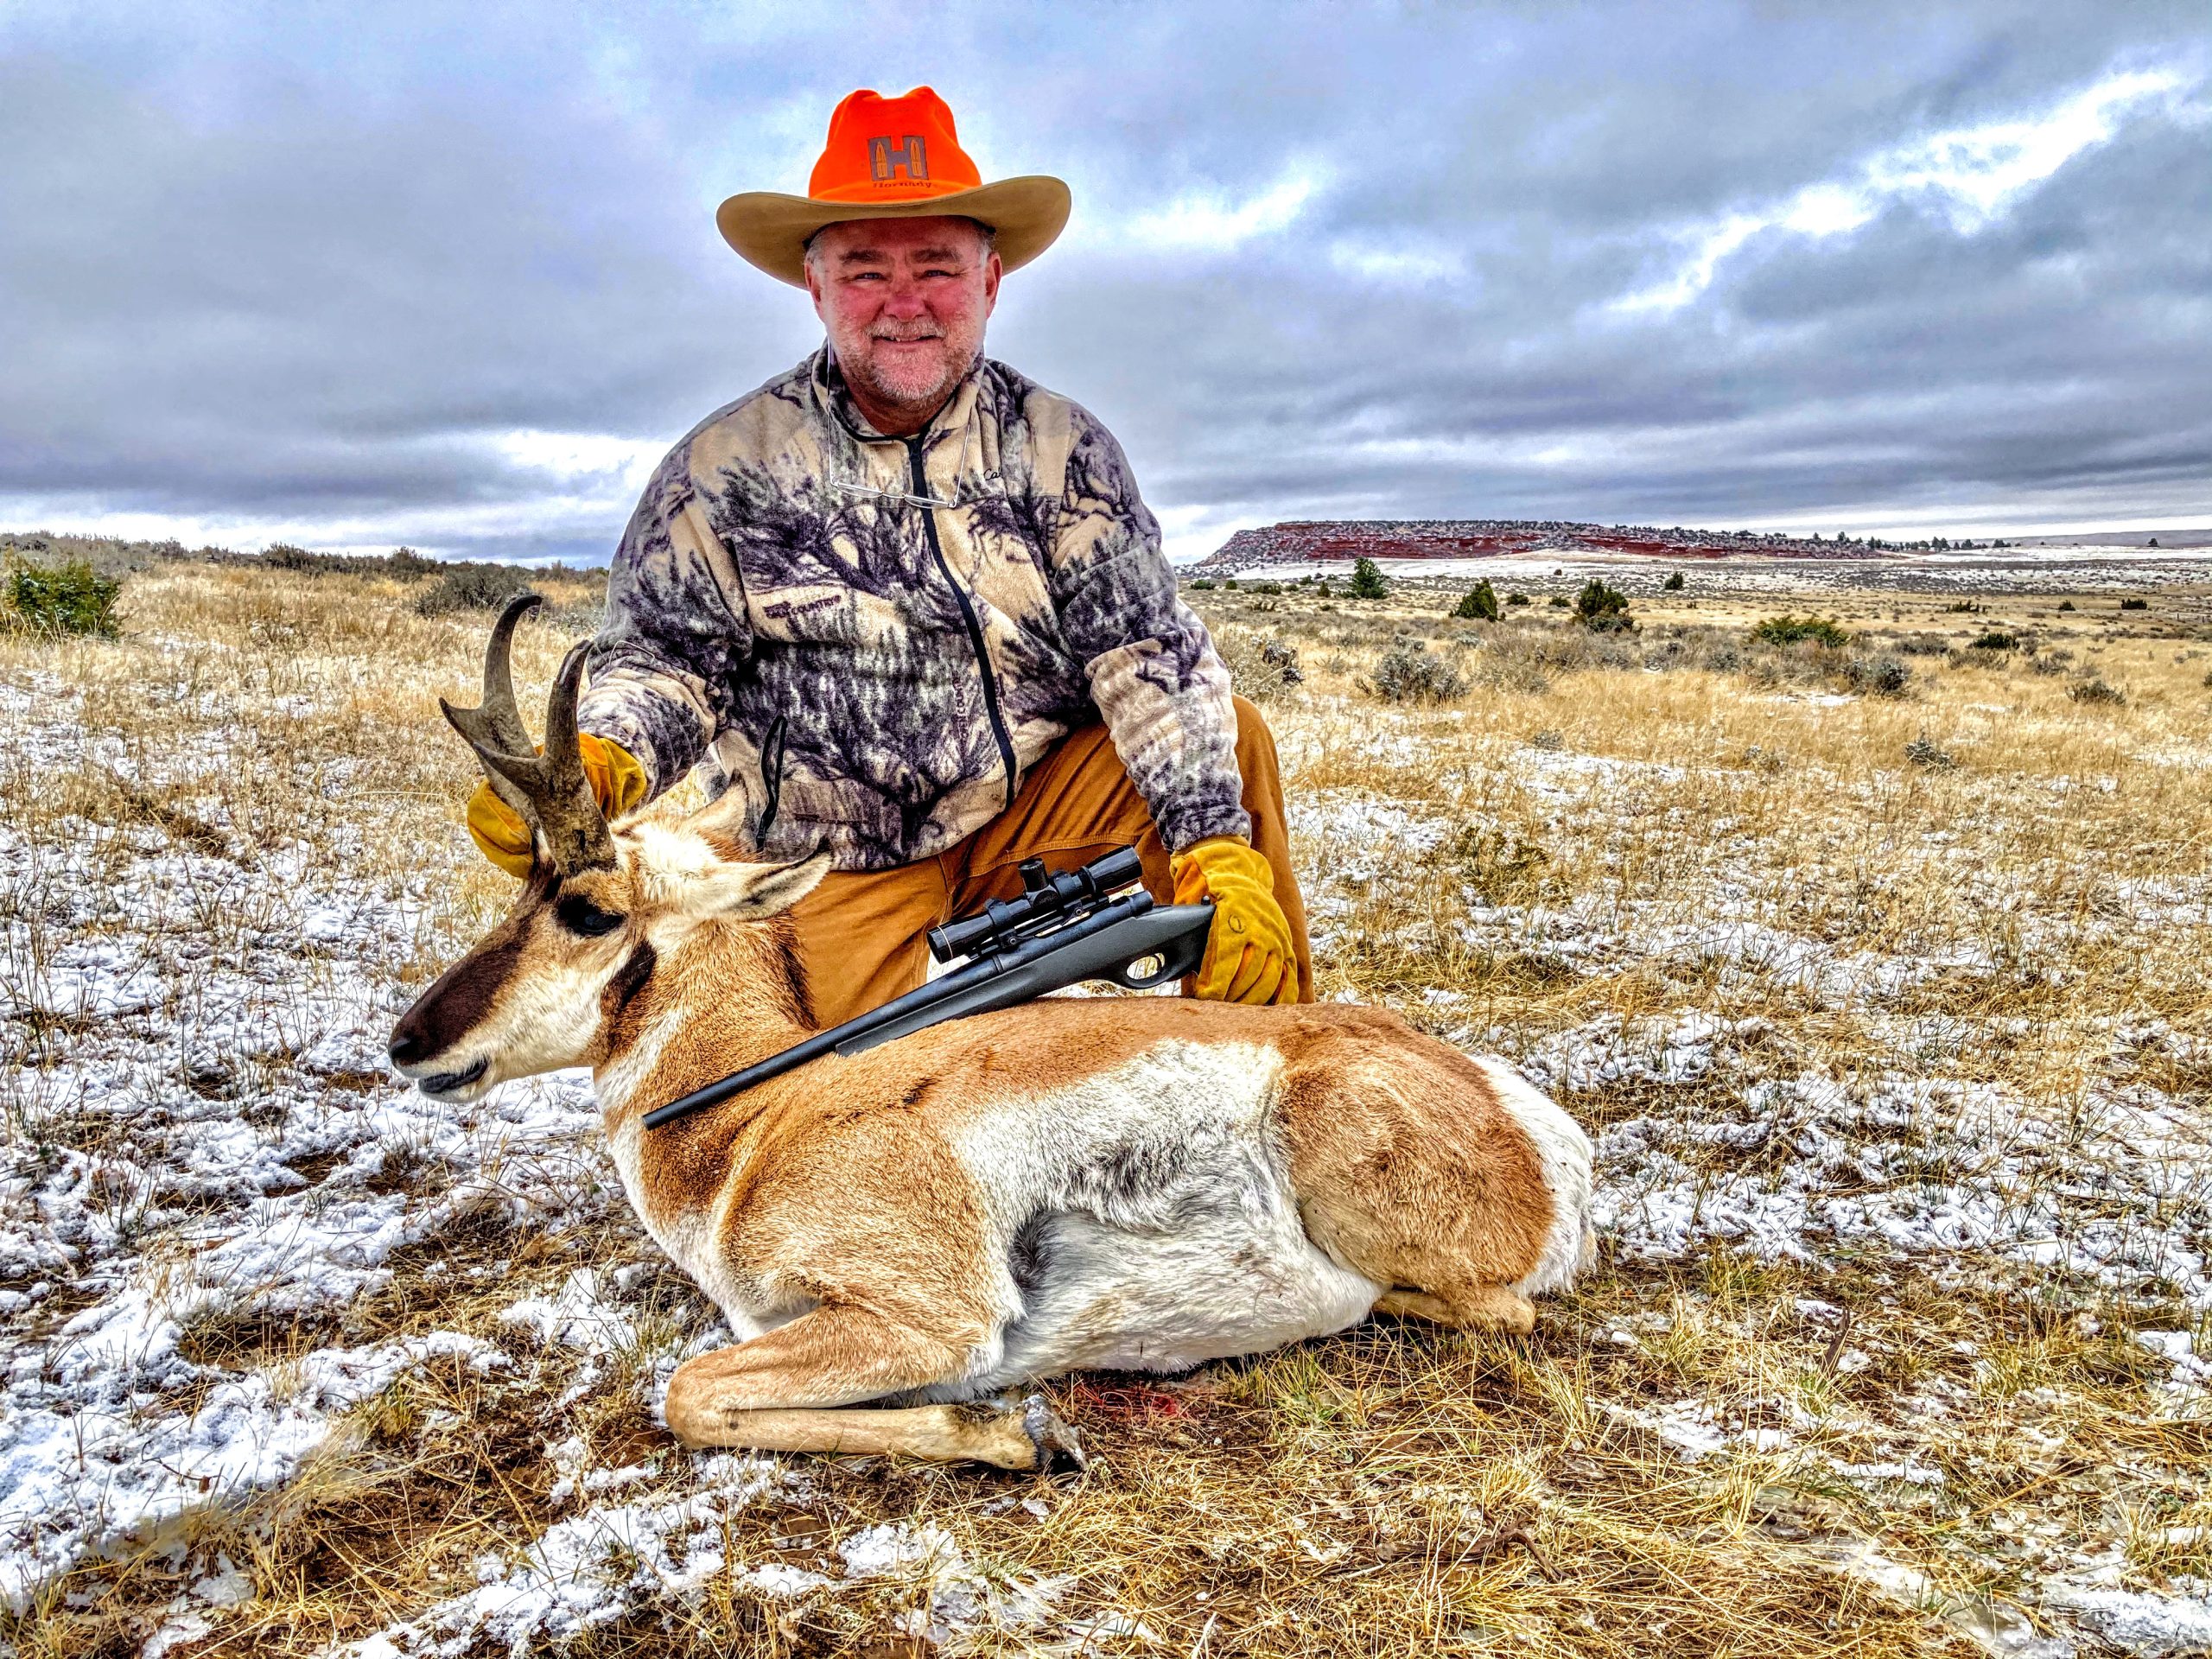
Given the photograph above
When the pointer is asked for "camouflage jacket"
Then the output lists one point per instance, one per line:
(868, 673)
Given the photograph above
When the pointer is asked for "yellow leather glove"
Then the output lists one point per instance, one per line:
(615, 776)
(1248, 957)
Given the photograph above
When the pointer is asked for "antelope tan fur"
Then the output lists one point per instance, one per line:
(1133, 1182)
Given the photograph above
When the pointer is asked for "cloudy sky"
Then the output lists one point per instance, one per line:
(357, 275)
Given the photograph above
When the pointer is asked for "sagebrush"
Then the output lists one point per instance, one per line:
(62, 599)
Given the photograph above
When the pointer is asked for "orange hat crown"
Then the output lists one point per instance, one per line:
(892, 158)
(891, 149)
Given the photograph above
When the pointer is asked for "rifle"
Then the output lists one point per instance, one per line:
(1063, 930)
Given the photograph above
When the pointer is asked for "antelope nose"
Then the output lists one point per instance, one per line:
(407, 1046)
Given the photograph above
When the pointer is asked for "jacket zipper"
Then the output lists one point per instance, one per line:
(967, 614)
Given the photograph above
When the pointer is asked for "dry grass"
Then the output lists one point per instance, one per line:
(1717, 1445)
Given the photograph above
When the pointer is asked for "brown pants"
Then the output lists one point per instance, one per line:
(860, 933)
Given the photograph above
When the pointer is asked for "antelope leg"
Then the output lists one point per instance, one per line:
(1025, 1438)
(780, 1393)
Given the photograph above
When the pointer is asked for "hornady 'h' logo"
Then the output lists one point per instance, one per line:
(910, 156)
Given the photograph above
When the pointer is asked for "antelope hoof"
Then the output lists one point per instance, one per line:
(1498, 1309)
(1054, 1438)
(1492, 1308)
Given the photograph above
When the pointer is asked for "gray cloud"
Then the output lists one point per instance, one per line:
(450, 278)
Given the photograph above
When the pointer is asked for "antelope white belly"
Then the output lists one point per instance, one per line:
(1156, 1225)
(1112, 1299)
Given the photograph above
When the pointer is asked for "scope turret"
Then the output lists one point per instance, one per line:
(1044, 899)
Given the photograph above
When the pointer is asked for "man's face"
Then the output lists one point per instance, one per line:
(904, 301)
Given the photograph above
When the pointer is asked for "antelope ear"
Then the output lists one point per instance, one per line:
(752, 892)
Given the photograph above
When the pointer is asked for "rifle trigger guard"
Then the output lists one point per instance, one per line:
(1176, 960)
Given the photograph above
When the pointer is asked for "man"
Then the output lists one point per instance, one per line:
(903, 602)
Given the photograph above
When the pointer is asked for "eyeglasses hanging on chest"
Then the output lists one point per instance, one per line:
(987, 485)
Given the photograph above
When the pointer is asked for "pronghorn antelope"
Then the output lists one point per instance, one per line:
(1131, 1183)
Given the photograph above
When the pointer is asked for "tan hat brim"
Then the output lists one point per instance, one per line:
(771, 231)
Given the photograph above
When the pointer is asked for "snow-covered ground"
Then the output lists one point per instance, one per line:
(1900, 1150)
(212, 1178)
(203, 1133)
(1912, 1162)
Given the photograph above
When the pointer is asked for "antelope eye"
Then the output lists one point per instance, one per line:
(582, 916)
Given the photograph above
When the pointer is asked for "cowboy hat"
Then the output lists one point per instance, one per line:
(892, 158)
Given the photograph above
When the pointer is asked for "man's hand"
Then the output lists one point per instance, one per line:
(616, 780)
(1248, 957)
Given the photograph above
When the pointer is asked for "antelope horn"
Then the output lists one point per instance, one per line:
(565, 763)
(548, 792)
(568, 813)
(496, 724)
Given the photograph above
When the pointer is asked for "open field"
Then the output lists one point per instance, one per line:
(1880, 971)
(2023, 572)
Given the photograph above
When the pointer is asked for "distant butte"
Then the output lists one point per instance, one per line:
(1300, 541)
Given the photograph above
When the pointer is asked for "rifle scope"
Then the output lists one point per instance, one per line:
(1044, 899)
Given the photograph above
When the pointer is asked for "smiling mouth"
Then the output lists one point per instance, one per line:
(450, 1083)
